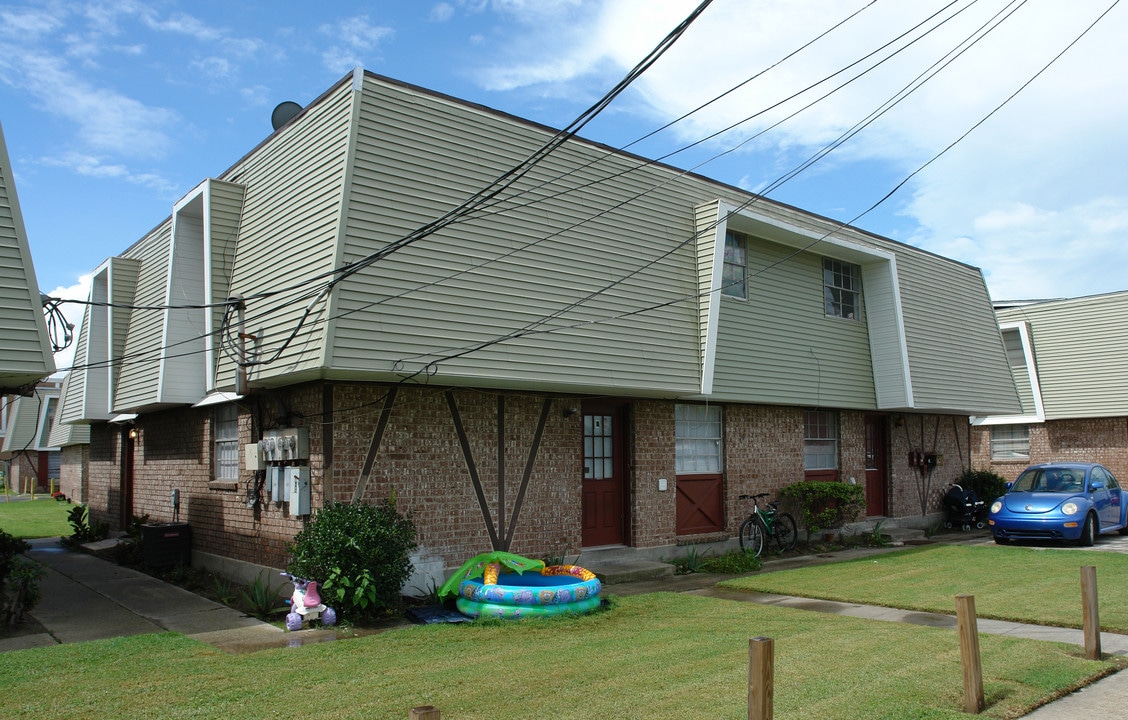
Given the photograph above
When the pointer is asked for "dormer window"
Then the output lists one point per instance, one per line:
(735, 276)
(842, 289)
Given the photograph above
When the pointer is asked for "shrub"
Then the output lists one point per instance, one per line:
(986, 485)
(736, 562)
(359, 555)
(21, 589)
(84, 531)
(825, 504)
(10, 547)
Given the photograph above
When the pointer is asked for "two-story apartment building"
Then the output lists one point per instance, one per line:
(381, 300)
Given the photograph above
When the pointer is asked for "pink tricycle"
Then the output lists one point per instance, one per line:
(305, 604)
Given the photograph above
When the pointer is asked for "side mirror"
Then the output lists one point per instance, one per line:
(1009, 484)
(1096, 485)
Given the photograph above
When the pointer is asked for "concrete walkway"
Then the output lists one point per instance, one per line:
(87, 598)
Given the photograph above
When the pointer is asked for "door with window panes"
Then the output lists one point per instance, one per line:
(877, 453)
(700, 469)
(604, 511)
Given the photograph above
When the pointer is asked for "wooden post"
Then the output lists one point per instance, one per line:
(969, 654)
(761, 673)
(424, 712)
(1090, 617)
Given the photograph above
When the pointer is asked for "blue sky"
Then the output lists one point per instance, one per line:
(113, 110)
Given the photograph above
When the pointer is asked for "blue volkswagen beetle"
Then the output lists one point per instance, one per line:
(1060, 501)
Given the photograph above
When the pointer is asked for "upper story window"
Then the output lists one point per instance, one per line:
(697, 437)
(842, 289)
(226, 432)
(1010, 442)
(734, 277)
(820, 443)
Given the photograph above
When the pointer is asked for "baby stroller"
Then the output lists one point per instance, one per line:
(963, 509)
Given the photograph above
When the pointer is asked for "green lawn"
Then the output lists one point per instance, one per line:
(661, 655)
(43, 517)
(1024, 584)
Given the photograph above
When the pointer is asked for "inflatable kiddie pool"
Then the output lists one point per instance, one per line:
(556, 590)
(526, 589)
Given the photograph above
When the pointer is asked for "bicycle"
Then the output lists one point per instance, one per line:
(766, 522)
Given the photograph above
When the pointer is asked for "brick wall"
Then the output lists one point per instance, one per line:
(420, 462)
(73, 473)
(1101, 440)
(946, 435)
(174, 450)
(652, 511)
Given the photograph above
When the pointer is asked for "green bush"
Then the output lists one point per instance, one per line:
(986, 485)
(359, 555)
(825, 504)
(84, 531)
(736, 562)
(21, 590)
(10, 547)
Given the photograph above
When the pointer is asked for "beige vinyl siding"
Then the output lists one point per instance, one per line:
(956, 356)
(124, 274)
(416, 157)
(23, 420)
(88, 393)
(25, 413)
(288, 231)
(139, 375)
(225, 208)
(1081, 352)
(26, 355)
(707, 218)
(778, 347)
(1020, 370)
(64, 433)
(72, 398)
(183, 373)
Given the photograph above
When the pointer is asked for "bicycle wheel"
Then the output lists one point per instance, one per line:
(785, 534)
(751, 537)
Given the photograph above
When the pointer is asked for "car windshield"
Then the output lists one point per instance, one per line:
(1051, 479)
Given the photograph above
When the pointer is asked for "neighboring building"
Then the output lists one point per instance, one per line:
(1069, 359)
(608, 352)
(73, 442)
(25, 349)
(25, 355)
(33, 462)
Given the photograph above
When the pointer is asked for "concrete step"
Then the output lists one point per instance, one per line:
(616, 571)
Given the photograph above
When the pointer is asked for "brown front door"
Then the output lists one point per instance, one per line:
(877, 454)
(605, 474)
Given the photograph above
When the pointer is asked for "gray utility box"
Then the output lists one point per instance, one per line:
(166, 544)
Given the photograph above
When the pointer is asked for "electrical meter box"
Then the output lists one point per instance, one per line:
(275, 482)
(285, 444)
(297, 480)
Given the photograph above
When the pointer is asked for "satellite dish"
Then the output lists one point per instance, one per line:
(284, 113)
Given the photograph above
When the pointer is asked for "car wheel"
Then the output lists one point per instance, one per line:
(1000, 540)
(1089, 532)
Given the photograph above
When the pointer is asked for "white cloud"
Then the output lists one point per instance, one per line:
(97, 167)
(73, 313)
(356, 41)
(441, 12)
(1044, 176)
